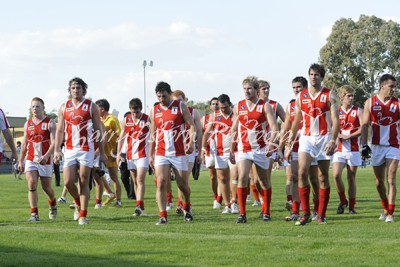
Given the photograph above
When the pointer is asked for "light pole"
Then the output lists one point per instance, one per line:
(150, 64)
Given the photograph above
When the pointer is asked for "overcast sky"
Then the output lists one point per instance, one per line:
(204, 47)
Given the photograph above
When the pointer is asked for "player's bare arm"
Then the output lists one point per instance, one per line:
(192, 129)
(59, 136)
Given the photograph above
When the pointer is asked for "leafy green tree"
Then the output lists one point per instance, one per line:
(358, 53)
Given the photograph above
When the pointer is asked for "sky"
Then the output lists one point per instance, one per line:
(204, 48)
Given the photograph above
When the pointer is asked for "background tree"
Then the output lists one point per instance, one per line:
(358, 53)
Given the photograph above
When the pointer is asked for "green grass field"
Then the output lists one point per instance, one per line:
(114, 237)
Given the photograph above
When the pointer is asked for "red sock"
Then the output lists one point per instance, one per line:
(304, 193)
(169, 197)
(266, 195)
(186, 206)
(219, 199)
(141, 204)
(289, 198)
(52, 203)
(242, 195)
(98, 201)
(391, 209)
(34, 210)
(215, 196)
(179, 201)
(385, 204)
(342, 197)
(323, 201)
(83, 213)
(352, 203)
(77, 201)
(295, 207)
(163, 214)
(255, 192)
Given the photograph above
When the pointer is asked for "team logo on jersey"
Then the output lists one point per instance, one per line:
(174, 110)
(305, 95)
(323, 98)
(158, 110)
(30, 128)
(219, 118)
(69, 104)
(141, 124)
(293, 107)
(342, 116)
(158, 115)
(243, 112)
(376, 108)
(130, 124)
(242, 107)
(69, 109)
(30, 123)
(44, 126)
(392, 108)
(353, 113)
(85, 107)
(259, 108)
(376, 103)
(340, 112)
(305, 101)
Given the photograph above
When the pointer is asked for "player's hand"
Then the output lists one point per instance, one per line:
(103, 158)
(58, 156)
(203, 156)
(189, 148)
(151, 162)
(330, 148)
(21, 166)
(232, 158)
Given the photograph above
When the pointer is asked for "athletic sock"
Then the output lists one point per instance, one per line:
(304, 193)
(352, 203)
(186, 206)
(35, 210)
(82, 213)
(77, 201)
(267, 200)
(295, 207)
(255, 192)
(52, 203)
(289, 198)
(391, 209)
(169, 197)
(242, 196)
(98, 201)
(164, 214)
(385, 204)
(342, 197)
(324, 195)
(219, 199)
(215, 196)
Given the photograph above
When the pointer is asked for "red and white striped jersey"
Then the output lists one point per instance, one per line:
(252, 126)
(349, 123)
(38, 139)
(79, 126)
(4, 124)
(316, 112)
(137, 136)
(385, 121)
(170, 137)
(292, 113)
(222, 127)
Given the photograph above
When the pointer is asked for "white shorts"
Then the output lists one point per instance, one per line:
(222, 162)
(96, 162)
(259, 158)
(73, 157)
(273, 156)
(349, 158)
(315, 146)
(381, 153)
(191, 157)
(210, 161)
(295, 156)
(43, 170)
(180, 163)
(134, 164)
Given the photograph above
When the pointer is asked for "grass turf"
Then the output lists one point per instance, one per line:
(114, 237)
